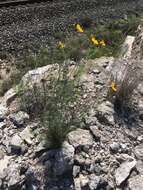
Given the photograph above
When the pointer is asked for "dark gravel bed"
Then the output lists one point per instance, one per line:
(28, 27)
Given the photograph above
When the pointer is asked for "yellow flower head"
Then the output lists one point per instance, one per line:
(113, 86)
(94, 41)
(79, 28)
(102, 43)
(61, 45)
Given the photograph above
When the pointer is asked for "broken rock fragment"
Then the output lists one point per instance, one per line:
(124, 170)
(136, 183)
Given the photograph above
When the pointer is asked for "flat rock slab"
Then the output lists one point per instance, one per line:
(124, 170)
(105, 113)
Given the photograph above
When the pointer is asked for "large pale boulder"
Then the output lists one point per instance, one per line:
(35, 76)
(15, 180)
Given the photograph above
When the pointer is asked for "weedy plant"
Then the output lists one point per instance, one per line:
(56, 101)
(63, 107)
(123, 85)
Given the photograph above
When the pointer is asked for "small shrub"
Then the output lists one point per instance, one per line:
(124, 87)
(56, 101)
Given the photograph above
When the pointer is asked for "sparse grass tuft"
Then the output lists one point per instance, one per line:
(121, 93)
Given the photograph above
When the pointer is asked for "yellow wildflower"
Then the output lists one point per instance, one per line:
(102, 43)
(61, 45)
(113, 86)
(79, 28)
(94, 41)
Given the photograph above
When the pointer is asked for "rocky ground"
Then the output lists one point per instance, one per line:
(27, 28)
(105, 155)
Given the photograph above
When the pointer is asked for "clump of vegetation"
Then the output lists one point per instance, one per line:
(114, 34)
(74, 50)
(79, 44)
(122, 87)
(56, 101)
(127, 25)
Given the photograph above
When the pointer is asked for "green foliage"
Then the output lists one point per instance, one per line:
(95, 52)
(78, 46)
(128, 26)
(52, 54)
(113, 39)
(125, 87)
(56, 101)
(114, 35)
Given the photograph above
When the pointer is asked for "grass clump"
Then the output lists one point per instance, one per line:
(123, 86)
